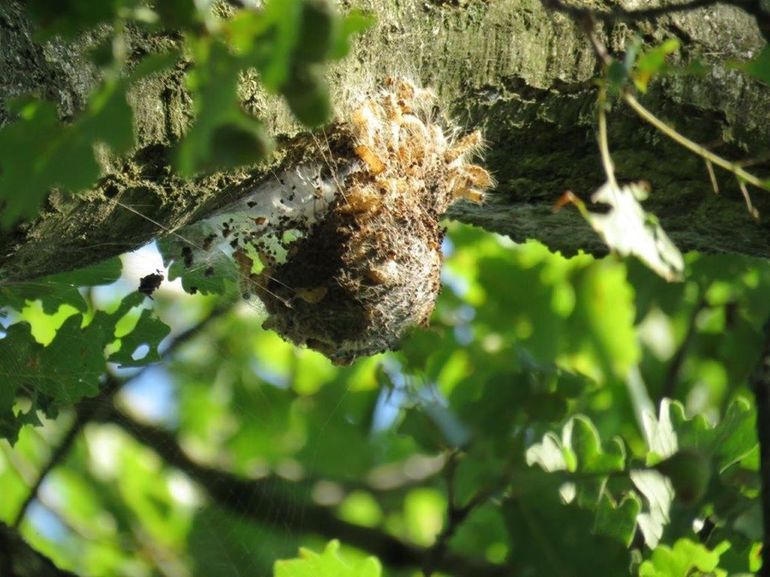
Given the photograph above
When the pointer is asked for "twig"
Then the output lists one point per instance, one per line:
(733, 167)
(742, 176)
(88, 409)
(457, 514)
(273, 502)
(760, 383)
(747, 198)
(83, 415)
(618, 13)
(604, 148)
(454, 516)
(712, 176)
(19, 559)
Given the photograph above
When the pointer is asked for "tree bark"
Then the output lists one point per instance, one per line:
(521, 73)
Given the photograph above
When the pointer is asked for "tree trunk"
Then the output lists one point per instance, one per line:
(522, 74)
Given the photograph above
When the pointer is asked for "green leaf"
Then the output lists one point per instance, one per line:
(47, 153)
(732, 439)
(592, 457)
(548, 537)
(60, 289)
(354, 22)
(148, 332)
(222, 136)
(652, 62)
(579, 449)
(68, 368)
(682, 559)
(326, 564)
(618, 520)
(759, 66)
(689, 472)
(69, 17)
(735, 437)
(659, 494)
(204, 272)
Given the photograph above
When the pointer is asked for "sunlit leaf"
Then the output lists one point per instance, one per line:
(326, 564)
(652, 62)
(629, 230)
(682, 559)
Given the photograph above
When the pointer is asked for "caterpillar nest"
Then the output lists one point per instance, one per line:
(370, 268)
(367, 263)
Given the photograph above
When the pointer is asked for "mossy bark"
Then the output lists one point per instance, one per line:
(522, 74)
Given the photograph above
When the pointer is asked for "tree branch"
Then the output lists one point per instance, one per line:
(89, 408)
(267, 502)
(18, 559)
(615, 13)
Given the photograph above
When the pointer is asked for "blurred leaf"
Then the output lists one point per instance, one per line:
(759, 66)
(618, 520)
(177, 14)
(69, 17)
(326, 564)
(617, 76)
(60, 289)
(223, 136)
(652, 62)
(307, 94)
(317, 31)
(682, 559)
(50, 154)
(226, 545)
(354, 22)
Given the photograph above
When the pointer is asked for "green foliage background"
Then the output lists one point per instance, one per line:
(560, 416)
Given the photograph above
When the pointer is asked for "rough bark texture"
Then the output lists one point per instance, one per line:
(522, 74)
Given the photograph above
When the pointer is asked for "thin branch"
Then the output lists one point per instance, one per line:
(587, 19)
(457, 514)
(615, 13)
(270, 502)
(713, 176)
(454, 516)
(19, 559)
(760, 382)
(729, 166)
(604, 147)
(84, 413)
(89, 408)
